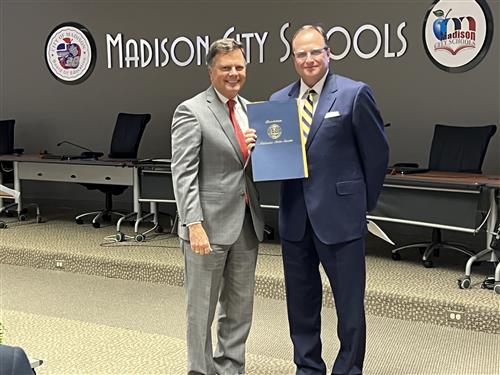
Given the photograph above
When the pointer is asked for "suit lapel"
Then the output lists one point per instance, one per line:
(222, 117)
(294, 90)
(326, 101)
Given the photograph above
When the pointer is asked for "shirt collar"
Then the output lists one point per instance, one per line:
(318, 87)
(224, 100)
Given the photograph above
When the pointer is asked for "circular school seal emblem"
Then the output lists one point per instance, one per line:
(70, 53)
(274, 131)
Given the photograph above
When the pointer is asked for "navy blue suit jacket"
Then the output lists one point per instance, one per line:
(347, 155)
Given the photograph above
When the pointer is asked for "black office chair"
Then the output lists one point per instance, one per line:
(453, 149)
(7, 147)
(7, 136)
(124, 145)
(6, 168)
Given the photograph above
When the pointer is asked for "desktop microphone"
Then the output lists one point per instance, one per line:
(74, 144)
(86, 154)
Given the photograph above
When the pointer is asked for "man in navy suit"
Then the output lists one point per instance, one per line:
(323, 217)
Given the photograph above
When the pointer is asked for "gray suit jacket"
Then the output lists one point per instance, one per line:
(207, 168)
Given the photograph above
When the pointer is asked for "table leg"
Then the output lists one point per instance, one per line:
(137, 192)
(17, 187)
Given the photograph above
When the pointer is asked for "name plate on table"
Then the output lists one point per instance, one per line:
(279, 152)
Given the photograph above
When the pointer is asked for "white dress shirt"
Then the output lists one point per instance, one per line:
(318, 87)
(241, 115)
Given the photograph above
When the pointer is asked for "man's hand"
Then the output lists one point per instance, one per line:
(250, 138)
(198, 239)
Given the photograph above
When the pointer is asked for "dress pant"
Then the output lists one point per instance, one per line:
(344, 264)
(224, 279)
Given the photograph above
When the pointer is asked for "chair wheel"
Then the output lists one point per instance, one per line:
(119, 236)
(464, 282)
(395, 256)
(39, 219)
(96, 224)
(79, 221)
(3, 225)
(21, 217)
(159, 229)
(428, 263)
(496, 288)
(140, 238)
(488, 283)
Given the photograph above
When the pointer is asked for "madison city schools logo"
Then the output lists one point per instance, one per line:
(70, 53)
(457, 33)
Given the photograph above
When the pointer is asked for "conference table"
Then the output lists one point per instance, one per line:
(445, 200)
(71, 169)
(154, 186)
(436, 199)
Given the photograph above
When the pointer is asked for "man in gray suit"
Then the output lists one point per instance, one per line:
(220, 219)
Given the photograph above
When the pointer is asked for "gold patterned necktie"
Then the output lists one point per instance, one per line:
(306, 114)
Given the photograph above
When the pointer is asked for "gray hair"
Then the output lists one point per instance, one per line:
(225, 45)
(318, 28)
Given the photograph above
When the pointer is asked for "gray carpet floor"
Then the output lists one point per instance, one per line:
(82, 324)
(403, 290)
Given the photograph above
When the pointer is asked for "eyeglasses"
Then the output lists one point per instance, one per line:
(302, 55)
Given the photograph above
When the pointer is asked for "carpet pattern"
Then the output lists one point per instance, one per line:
(81, 324)
(402, 290)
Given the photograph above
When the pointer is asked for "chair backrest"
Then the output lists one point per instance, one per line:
(460, 148)
(7, 136)
(127, 135)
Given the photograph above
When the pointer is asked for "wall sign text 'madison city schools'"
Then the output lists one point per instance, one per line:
(456, 34)
(184, 51)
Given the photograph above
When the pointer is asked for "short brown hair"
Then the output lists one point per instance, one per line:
(224, 45)
(318, 28)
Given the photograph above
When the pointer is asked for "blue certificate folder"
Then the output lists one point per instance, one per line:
(279, 152)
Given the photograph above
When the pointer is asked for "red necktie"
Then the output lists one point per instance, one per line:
(237, 130)
(239, 135)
